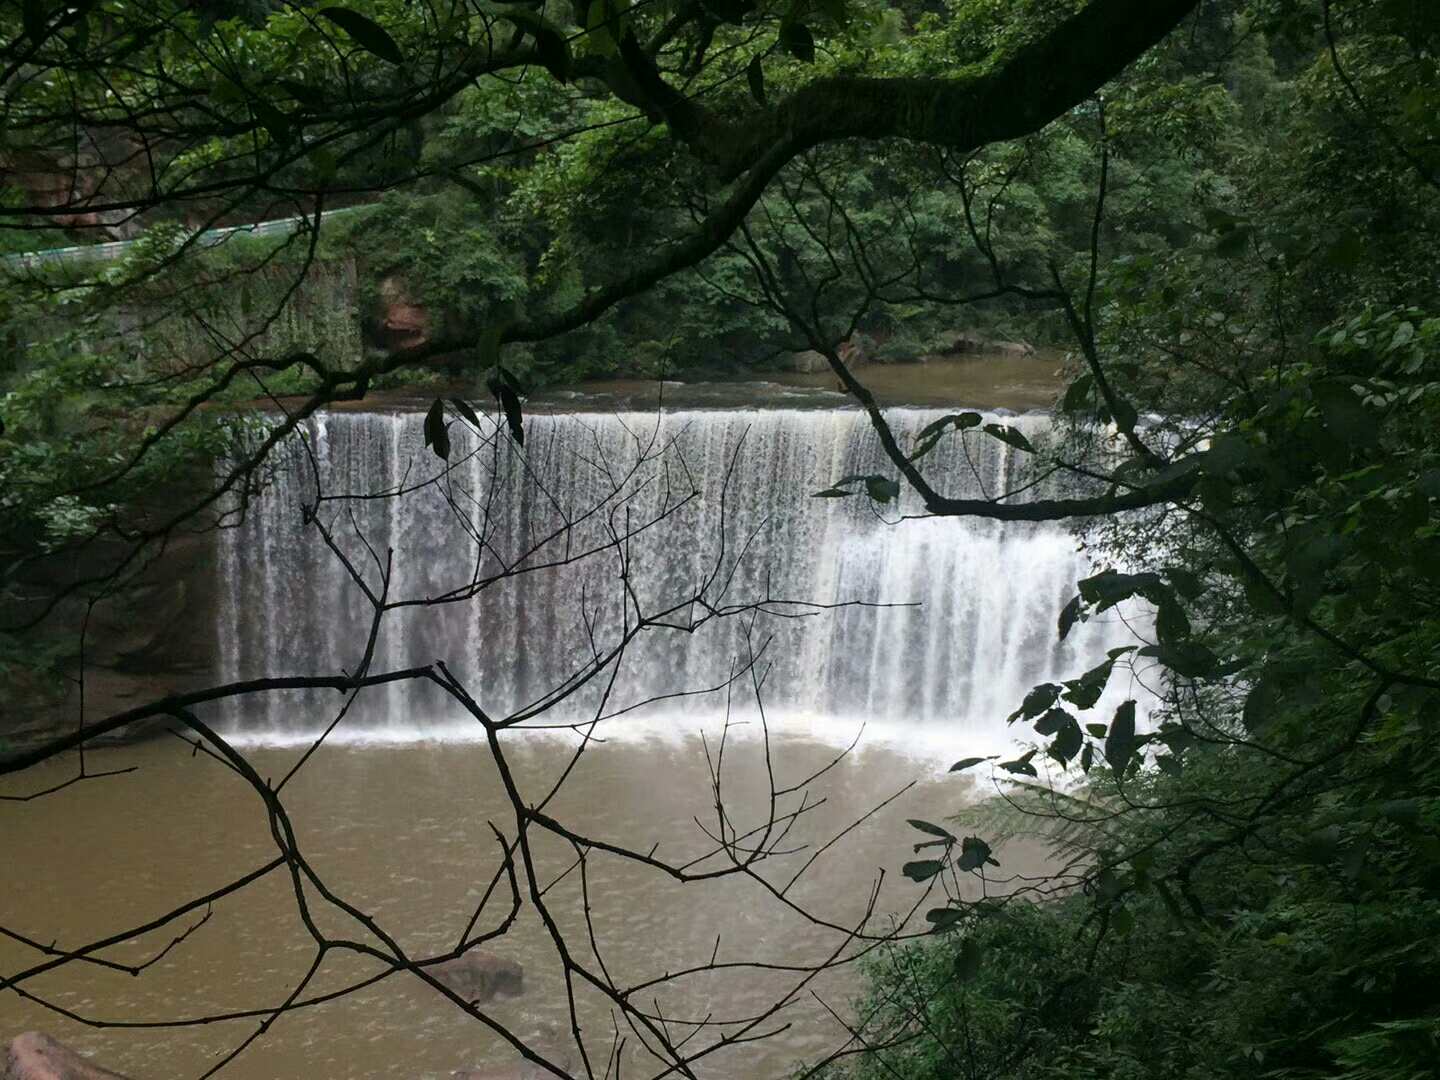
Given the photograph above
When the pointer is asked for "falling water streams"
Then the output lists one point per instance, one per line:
(969, 609)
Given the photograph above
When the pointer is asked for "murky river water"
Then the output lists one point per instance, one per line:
(402, 831)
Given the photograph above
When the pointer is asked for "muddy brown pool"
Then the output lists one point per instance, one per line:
(402, 831)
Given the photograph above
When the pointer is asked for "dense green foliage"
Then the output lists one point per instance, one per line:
(1254, 888)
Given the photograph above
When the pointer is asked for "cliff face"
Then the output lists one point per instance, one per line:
(260, 312)
(155, 635)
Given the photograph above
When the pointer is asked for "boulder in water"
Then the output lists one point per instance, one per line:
(807, 362)
(971, 343)
(854, 352)
(36, 1056)
(480, 976)
(1013, 348)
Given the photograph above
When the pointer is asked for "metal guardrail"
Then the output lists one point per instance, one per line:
(27, 260)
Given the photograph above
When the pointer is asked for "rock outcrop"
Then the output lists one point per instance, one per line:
(36, 1056)
(806, 363)
(970, 342)
(854, 352)
(77, 179)
(480, 976)
(401, 322)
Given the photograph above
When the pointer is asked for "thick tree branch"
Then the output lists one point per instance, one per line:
(1010, 98)
(1003, 99)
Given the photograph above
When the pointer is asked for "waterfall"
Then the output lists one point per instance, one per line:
(970, 626)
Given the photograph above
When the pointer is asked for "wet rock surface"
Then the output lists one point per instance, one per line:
(36, 1056)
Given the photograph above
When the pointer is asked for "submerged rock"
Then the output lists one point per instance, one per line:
(36, 1056)
(480, 976)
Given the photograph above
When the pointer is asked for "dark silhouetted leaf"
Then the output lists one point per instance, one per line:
(974, 853)
(1021, 765)
(1171, 623)
(1109, 587)
(1125, 415)
(798, 41)
(927, 827)
(1036, 701)
(463, 408)
(1345, 252)
(1120, 744)
(967, 960)
(514, 419)
(1010, 437)
(1345, 416)
(881, 488)
(1233, 242)
(35, 16)
(1321, 846)
(369, 35)
(965, 763)
(1185, 582)
(1187, 658)
(755, 76)
(1077, 395)
(310, 96)
(1228, 452)
(437, 435)
(1108, 884)
(931, 434)
(554, 53)
(922, 869)
(272, 120)
(1053, 721)
(1085, 691)
(943, 918)
(1068, 740)
(730, 11)
(1068, 616)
